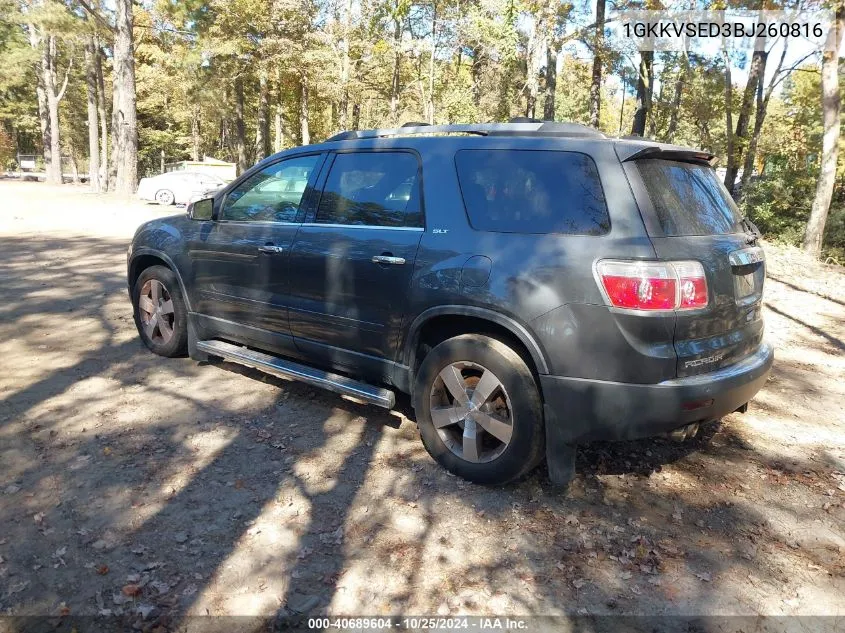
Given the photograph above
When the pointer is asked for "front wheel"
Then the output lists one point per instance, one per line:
(160, 313)
(479, 410)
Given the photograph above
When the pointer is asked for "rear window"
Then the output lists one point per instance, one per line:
(688, 199)
(525, 191)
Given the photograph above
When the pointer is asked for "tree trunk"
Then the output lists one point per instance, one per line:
(278, 130)
(536, 55)
(551, 84)
(41, 96)
(675, 110)
(48, 70)
(598, 50)
(831, 118)
(397, 61)
(104, 123)
(356, 116)
(304, 132)
(755, 76)
(240, 129)
(93, 120)
(430, 105)
(645, 87)
(262, 132)
(344, 67)
(74, 167)
(125, 115)
(729, 127)
(196, 133)
(475, 73)
(759, 119)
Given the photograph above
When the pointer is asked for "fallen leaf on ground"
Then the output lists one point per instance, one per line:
(131, 590)
(103, 570)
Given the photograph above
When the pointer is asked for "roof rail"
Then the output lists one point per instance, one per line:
(539, 128)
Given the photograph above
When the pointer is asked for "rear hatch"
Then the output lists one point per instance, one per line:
(690, 216)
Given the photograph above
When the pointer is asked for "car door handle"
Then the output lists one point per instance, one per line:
(269, 248)
(388, 259)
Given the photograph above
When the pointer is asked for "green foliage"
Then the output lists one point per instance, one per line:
(376, 63)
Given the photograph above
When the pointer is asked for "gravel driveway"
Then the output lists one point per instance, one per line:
(149, 488)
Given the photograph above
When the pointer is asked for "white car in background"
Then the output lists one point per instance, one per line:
(178, 187)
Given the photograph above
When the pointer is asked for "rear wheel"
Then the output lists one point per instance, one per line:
(165, 197)
(160, 313)
(479, 410)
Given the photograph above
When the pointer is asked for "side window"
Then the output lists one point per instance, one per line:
(372, 189)
(527, 191)
(272, 194)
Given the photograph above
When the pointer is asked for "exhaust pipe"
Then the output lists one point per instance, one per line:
(684, 433)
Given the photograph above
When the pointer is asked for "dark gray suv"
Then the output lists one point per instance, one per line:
(532, 286)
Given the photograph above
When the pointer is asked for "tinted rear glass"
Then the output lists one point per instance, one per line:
(688, 199)
(525, 191)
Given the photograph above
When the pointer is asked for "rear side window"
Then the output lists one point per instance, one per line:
(372, 189)
(526, 191)
(688, 199)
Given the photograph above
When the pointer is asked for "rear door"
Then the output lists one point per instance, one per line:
(352, 262)
(690, 216)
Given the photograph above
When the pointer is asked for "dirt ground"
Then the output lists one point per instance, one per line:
(150, 488)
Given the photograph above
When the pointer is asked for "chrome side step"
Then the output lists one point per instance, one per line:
(294, 371)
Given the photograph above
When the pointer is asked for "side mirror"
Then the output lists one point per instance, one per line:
(201, 209)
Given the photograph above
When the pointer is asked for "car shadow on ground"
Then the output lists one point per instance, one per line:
(158, 490)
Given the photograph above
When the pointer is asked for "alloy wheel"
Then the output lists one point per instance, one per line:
(155, 306)
(165, 197)
(471, 411)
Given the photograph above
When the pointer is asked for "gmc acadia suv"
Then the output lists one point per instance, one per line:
(531, 285)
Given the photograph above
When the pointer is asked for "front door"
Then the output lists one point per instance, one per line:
(351, 263)
(240, 260)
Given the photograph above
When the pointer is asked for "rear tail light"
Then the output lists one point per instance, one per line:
(638, 285)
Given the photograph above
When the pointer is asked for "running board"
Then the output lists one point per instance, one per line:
(294, 371)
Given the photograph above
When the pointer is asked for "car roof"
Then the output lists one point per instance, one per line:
(521, 134)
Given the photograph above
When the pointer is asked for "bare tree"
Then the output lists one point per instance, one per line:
(831, 117)
(598, 50)
(93, 120)
(645, 88)
(103, 118)
(740, 135)
(52, 96)
(674, 111)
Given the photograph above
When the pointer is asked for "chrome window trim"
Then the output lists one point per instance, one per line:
(258, 223)
(365, 226)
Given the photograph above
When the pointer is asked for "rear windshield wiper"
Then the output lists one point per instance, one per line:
(750, 229)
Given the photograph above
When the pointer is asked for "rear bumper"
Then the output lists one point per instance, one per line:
(582, 410)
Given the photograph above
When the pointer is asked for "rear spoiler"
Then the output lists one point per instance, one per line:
(628, 151)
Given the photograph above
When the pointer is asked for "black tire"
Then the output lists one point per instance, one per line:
(527, 441)
(177, 343)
